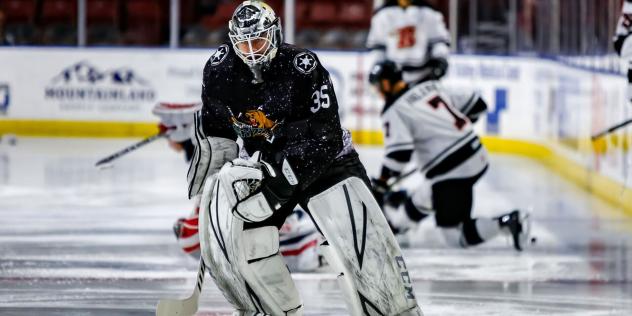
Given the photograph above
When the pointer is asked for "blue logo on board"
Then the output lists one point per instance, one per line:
(5, 98)
(493, 118)
(83, 82)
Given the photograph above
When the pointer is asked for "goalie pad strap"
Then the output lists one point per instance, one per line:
(209, 156)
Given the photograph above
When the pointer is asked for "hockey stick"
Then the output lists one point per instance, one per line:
(126, 150)
(610, 130)
(187, 306)
(401, 177)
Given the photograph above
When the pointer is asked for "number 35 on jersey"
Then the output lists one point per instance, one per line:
(320, 99)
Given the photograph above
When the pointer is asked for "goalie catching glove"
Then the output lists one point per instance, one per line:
(259, 188)
(176, 120)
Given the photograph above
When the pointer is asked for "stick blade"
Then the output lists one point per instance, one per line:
(175, 307)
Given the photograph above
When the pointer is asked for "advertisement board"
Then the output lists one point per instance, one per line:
(529, 98)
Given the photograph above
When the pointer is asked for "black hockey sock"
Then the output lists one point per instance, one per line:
(470, 233)
(413, 212)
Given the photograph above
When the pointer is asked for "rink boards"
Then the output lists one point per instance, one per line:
(542, 108)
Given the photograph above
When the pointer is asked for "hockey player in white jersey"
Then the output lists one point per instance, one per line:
(298, 236)
(623, 41)
(414, 36)
(421, 120)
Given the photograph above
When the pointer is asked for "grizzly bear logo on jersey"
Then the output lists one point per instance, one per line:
(256, 118)
(254, 123)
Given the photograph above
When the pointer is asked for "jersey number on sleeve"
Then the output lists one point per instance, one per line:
(437, 102)
(320, 98)
(406, 37)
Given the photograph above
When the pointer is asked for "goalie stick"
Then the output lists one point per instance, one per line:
(610, 130)
(187, 306)
(126, 150)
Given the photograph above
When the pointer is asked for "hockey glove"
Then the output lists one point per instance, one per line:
(275, 189)
(437, 68)
(278, 187)
(176, 119)
(379, 187)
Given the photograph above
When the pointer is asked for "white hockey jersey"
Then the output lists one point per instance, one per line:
(424, 120)
(623, 31)
(408, 37)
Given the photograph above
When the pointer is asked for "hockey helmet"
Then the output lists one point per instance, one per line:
(385, 70)
(404, 3)
(255, 32)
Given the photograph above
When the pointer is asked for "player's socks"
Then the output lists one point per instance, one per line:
(478, 230)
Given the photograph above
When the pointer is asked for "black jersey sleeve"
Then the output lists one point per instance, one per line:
(314, 139)
(215, 114)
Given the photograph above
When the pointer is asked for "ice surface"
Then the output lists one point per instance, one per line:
(78, 241)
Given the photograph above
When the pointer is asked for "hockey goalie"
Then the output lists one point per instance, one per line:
(280, 101)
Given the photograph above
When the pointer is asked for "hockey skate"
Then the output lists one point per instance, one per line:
(518, 224)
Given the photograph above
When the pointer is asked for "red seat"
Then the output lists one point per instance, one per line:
(144, 21)
(187, 12)
(102, 12)
(301, 13)
(59, 11)
(322, 13)
(222, 15)
(145, 10)
(19, 11)
(355, 14)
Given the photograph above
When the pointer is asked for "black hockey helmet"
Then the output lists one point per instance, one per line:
(385, 70)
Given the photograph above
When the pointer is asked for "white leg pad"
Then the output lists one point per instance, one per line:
(361, 247)
(245, 264)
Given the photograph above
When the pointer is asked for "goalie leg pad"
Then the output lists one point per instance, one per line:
(362, 248)
(209, 156)
(245, 264)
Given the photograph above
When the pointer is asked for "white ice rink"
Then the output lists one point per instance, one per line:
(78, 241)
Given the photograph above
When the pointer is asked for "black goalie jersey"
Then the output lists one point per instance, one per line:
(292, 114)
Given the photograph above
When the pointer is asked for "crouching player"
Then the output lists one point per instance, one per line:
(422, 120)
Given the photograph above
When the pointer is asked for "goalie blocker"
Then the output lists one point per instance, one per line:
(240, 243)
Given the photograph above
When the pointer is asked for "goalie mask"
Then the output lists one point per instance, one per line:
(255, 32)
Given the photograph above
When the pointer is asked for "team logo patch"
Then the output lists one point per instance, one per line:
(305, 62)
(219, 55)
(254, 123)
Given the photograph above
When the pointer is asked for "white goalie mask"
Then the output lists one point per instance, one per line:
(255, 32)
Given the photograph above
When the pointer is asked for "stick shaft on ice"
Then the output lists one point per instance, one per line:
(126, 150)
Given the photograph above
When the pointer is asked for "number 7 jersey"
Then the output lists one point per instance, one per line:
(424, 120)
